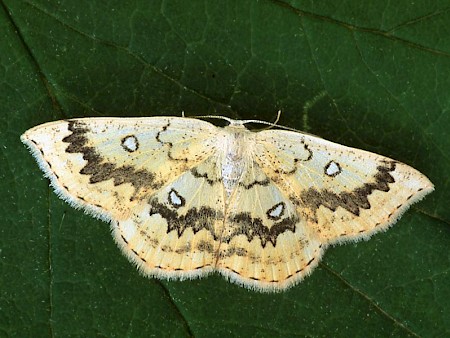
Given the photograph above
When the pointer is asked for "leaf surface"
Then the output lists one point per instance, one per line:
(362, 74)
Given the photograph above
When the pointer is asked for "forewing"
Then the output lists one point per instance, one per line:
(343, 193)
(108, 165)
(155, 179)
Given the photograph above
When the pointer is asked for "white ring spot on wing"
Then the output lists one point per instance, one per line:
(332, 169)
(276, 211)
(130, 143)
(176, 199)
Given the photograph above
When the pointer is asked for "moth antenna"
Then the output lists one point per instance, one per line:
(278, 117)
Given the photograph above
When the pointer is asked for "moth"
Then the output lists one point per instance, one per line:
(186, 198)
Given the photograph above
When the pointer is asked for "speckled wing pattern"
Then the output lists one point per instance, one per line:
(186, 198)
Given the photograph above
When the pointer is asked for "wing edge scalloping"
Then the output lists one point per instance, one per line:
(58, 188)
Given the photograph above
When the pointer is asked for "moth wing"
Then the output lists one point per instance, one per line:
(108, 165)
(174, 234)
(343, 193)
(155, 178)
(265, 245)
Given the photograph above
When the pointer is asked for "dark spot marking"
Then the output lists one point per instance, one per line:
(296, 160)
(351, 201)
(195, 218)
(98, 168)
(311, 260)
(205, 246)
(244, 224)
(284, 172)
(310, 155)
(183, 249)
(130, 143)
(142, 259)
(265, 182)
(166, 248)
(124, 239)
(240, 252)
(197, 174)
(158, 135)
(254, 278)
(175, 199)
(168, 144)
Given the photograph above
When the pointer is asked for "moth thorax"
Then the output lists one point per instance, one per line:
(234, 161)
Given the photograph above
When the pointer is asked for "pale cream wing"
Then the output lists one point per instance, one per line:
(174, 233)
(108, 165)
(343, 193)
(155, 179)
(266, 245)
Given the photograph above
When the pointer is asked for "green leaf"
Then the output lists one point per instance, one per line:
(365, 74)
